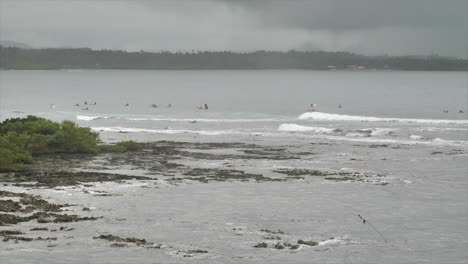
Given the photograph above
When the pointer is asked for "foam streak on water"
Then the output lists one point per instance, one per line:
(318, 116)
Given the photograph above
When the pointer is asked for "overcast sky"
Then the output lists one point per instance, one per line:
(394, 27)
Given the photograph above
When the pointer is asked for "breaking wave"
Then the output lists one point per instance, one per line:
(378, 131)
(318, 116)
(368, 135)
(188, 120)
(158, 131)
(299, 128)
(202, 120)
(91, 118)
(366, 132)
(411, 141)
(177, 131)
(336, 241)
(415, 137)
(322, 133)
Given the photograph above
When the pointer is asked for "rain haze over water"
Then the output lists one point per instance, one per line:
(343, 165)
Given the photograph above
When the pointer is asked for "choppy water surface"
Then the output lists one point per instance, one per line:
(389, 123)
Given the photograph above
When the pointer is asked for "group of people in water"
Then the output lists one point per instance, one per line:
(312, 109)
(86, 106)
(205, 107)
(445, 111)
(157, 106)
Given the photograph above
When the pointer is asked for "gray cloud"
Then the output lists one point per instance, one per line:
(346, 15)
(365, 26)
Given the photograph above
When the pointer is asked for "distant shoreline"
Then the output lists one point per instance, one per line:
(85, 58)
(234, 70)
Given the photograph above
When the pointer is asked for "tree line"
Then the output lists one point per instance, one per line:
(85, 58)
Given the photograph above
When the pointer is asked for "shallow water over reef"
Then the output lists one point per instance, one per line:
(245, 180)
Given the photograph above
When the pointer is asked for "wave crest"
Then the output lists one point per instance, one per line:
(319, 116)
(91, 118)
(299, 128)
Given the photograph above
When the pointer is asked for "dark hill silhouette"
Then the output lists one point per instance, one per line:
(85, 58)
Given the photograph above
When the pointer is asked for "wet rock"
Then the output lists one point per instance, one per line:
(197, 251)
(17, 238)
(272, 237)
(270, 154)
(10, 232)
(68, 178)
(26, 204)
(9, 206)
(206, 175)
(272, 232)
(27, 239)
(119, 245)
(278, 246)
(340, 179)
(8, 219)
(113, 238)
(308, 243)
(39, 229)
(378, 146)
(43, 217)
(294, 247)
(301, 172)
(261, 245)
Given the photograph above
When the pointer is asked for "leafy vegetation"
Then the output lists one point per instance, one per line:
(22, 138)
(85, 58)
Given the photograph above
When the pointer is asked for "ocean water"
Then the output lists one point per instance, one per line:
(396, 106)
(405, 125)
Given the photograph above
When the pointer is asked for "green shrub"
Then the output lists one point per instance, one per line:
(29, 125)
(39, 144)
(129, 145)
(71, 138)
(111, 148)
(20, 138)
(12, 157)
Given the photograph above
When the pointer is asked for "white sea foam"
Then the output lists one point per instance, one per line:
(299, 128)
(325, 130)
(378, 131)
(90, 118)
(327, 135)
(433, 142)
(208, 120)
(435, 129)
(415, 137)
(318, 116)
(335, 241)
(163, 131)
(180, 131)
